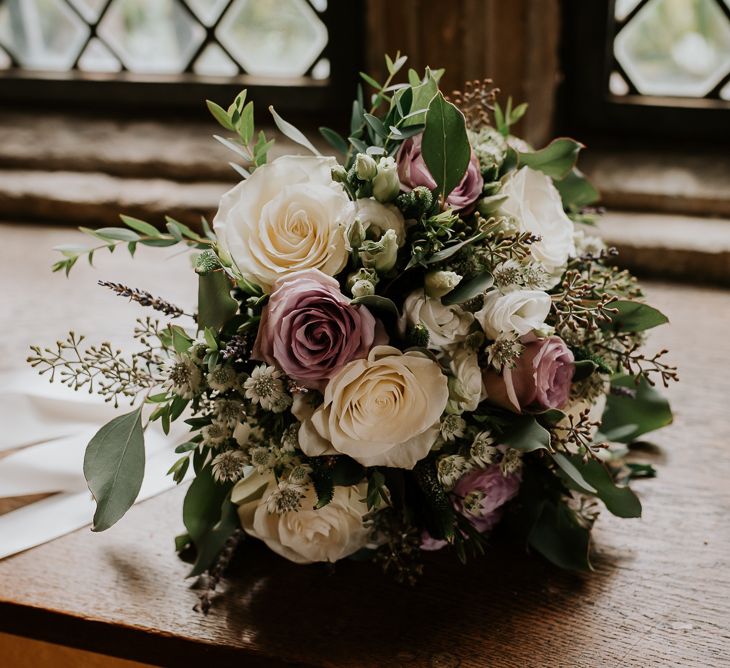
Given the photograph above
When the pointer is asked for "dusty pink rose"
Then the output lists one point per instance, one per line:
(480, 494)
(431, 544)
(540, 380)
(412, 172)
(310, 330)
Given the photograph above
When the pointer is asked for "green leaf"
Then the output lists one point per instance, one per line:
(182, 541)
(634, 317)
(114, 467)
(525, 434)
(369, 80)
(215, 304)
(440, 516)
(569, 469)
(447, 252)
(140, 226)
(288, 130)
(188, 446)
(576, 190)
(181, 342)
(333, 139)
(423, 93)
(560, 538)
(260, 151)
(467, 290)
(556, 159)
(445, 144)
(625, 418)
(376, 125)
(220, 114)
(233, 147)
(584, 369)
(347, 471)
(323, 484)
(377, 303)
(621, 501)
(210, 546)
(117, 234)
(245, 124)
(179, 469)
(182, 229)
(202, 504)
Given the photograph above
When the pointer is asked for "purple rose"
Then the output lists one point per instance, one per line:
(480, 494)
(540, 379)
(412, 172)
(431, 544)
(310, 330)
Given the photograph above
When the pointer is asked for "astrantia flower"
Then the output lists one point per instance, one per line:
(504, 351)
(300, 474)
(285, 498)
(450, 468)
(511, 462)
(265, 387)
(228, 465)
(222, 378)
(229, 411)
(452, 427)
(290, 438)
(483, 452)
(262, 458)
(183, 377)
(214, 434)
(534, 277)
(507, 274)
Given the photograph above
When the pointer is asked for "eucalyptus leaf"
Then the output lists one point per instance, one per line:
(378, 303)
(576, 190)
(117, 234)
(584, 369)
(556, 159)
(445, 144)
(569, 469)
(334, 139)
(288, 130)
(209, 546)
(447, 252)
(526, 434)
(114, 467)
(220, 114)
(560, 537)
(634, 317)
(467, 290)
(619, 500)
(140, 226)
(215, 304)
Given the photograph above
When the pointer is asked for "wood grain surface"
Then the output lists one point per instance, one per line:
(660, 594)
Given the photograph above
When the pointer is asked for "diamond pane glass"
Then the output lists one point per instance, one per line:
(273, 37)
(207, 10)
(97, 58)
(153, 36)
(675, 47)
(214, 62)
(90, 9)
(42, 34)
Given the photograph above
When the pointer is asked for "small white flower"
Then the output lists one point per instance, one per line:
(285, 498)
(228, 465)
(517, 311)
(300, 474)
(265, 387)
(452, 427)
(482, 451)
(183, 376)
(222, 378)
(198, 349)
(450, 468)
(472, 502)
(504, 352)
(535, 277)
(229, 411)
(290, 438)
(507, 275)
(262, 458)
(214, 434)
(511, 462)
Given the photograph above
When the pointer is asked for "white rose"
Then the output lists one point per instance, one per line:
(378, 218)
(287, 216)
(445, 324)
(466, 388)
(306, 535)
(381, 411)
(535, 205)
(518, 311)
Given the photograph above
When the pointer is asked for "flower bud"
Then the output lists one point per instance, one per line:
(386, 184)
(339, 174)
(543, 331)
(381, 255)
(418, 335)
(365, 167)
(439, 283)
(206, 262)
(362, 288)
(355, 234)
(362, 274)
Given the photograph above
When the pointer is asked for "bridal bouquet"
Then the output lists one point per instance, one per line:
(393, 351)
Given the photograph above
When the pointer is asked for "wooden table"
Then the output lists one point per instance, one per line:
(660, 595)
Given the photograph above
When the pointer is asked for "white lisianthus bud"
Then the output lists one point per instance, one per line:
(339, 174)
(543, 331)
(362, 274)
(386, 185)
(355, 234)
(365, 167)
(381, 255)
(440, 283)
(362, 288)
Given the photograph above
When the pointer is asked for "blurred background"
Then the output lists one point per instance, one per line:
(99, 96)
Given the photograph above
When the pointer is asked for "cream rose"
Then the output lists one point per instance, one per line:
(518, 311)
(534, 204)
(466, 388)
(306, 535)
(287, 216)
(381, 411)
(446, 325)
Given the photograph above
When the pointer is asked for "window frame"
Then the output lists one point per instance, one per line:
(144, 94)
(588, 106)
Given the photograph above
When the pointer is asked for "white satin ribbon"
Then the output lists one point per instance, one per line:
(50, 426)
